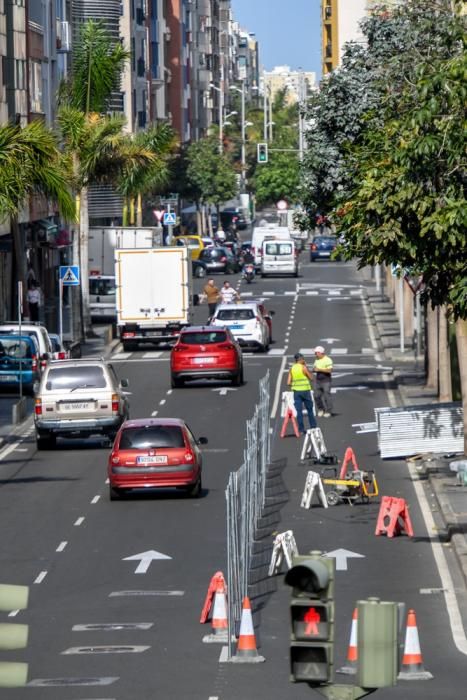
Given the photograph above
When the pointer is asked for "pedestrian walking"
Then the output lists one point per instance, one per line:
(34, 301)
(228, 294)
(212, 297)
(322, 369)
(299, 380)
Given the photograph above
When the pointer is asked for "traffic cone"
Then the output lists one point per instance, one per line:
(219, 622)
(412, 663)
(246, 647)
(352, 652)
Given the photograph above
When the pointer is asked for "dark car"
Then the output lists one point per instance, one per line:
(233, 217)
(322, 247)
(219, 259)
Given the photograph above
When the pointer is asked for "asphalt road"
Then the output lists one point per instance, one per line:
(100, 630)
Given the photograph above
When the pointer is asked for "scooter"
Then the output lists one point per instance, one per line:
(249, 272)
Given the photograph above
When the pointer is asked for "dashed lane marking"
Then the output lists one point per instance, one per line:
(40, 577)
(95, 499)
(61, 546)
(152, 355)
(79, 522)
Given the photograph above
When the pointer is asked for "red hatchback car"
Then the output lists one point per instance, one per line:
(154, 453)
(206, 352)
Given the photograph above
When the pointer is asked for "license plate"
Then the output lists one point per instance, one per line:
(76, 406)
(156, 459)
(236, 326)
(8, 378)
(203, 360)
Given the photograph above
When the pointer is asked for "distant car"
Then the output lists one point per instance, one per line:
(19, 362)
(79, 398)
(322, 247)
(233, 217)
(220, 259)
(208, 242)
(199, 268)
(246, 323)
(155, 453)
(194, 243)
(203, 352)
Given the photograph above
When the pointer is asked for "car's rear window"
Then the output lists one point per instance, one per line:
(102, 288)
(70, 378)
(278, 249)
(203, 338)
(324, 240)
(235, 314)
(151, 436)
(14, 347)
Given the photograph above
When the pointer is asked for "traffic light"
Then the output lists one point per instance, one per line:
(377, 643)
(12, 636)
(312, 618)
(262, 152)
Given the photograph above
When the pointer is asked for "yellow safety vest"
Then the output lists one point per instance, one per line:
(300, 382)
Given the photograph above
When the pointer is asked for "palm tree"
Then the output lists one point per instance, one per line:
(137, 179)
(30, 163)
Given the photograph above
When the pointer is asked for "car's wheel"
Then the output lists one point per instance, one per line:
(47, 442)
(114, 494)
(176, 383)
(200, 272)
(195, 490)
(238, 379)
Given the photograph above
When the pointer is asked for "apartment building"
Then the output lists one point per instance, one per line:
(340, 24)
(294, 82)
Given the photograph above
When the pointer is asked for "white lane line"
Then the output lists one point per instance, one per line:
(338, 351)
(79, 522)
(154, 413)
(6, 451)
(121, 355)
(161, 402)
(169, 391)
(276, 351)
(95, 499)
(312, 294)
(247, 294)
(40, 577)
(355, 292)
(334, 292)
(337, 299)
(152, 355)
(289, 294)
(61, 546)
(223, 655)
(368, 351)
(269, 294)
(13, 613)
(21, 449)
(277, 392)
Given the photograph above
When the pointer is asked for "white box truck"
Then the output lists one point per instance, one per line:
(103, 242)
(154, 294)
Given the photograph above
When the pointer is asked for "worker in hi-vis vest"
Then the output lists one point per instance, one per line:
(299, 380)
(323, 370)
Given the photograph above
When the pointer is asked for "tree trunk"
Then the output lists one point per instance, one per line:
(432, 348)
(84, 261)
(139, 211)
(445, 385)
(21, 271)
(461, 338)
(125, 212)
(209, 222)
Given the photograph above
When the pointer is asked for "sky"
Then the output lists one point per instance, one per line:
(288, 31)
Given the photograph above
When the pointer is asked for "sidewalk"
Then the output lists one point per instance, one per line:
(450, 513)
(101, 346)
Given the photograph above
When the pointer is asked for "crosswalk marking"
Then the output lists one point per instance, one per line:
(122, 355)
(314, 293)
(277, 351)
(334, 292)
(338, 351)
(152, 355)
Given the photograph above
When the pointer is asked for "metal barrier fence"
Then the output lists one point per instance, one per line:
(245, 496)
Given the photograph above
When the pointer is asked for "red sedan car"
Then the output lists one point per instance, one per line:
(207, 352)
(154, 453)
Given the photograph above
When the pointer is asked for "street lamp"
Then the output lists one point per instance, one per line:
(221, 110)
(242, 93)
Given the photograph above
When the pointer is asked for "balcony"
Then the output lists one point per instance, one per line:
(140, 18)
(327, 12)
(328, 51)
(140, 68)
(63, 37)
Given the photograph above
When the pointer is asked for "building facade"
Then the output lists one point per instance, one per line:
(283, 78)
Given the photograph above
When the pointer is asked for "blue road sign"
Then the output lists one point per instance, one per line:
(170, 218)
(69, 275)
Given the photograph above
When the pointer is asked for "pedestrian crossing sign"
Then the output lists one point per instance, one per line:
(69, 275)
(170, 218)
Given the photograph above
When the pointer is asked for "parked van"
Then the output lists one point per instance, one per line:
(262, 233)
(38, 332)
(19, 362)
(279, 257)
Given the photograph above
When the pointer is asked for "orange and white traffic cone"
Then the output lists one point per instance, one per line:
(219, 622)
(412, 668)
(352, 652)
(246, 647)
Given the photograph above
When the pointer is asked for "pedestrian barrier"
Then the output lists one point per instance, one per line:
(412, 668)
(393, 517)
(213, 585)
(246, 647)
(349, 457)
(289, 412)
(219, 622)
(352, 652)
(313, 481)
(284, 547)
(314, 448)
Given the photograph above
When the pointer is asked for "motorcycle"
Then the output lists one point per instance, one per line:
(249, 272)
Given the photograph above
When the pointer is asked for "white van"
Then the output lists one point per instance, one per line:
(279, 257)
(262, 233)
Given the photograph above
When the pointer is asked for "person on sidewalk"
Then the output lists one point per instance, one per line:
(322, 369)
(212, 297)
(299, 380)
(34, 301)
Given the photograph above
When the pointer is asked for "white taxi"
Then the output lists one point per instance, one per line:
(246, 323)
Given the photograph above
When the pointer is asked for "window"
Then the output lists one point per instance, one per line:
(15, 348)
(202, 338)
(152, 436)
(235, 315)
(278, 249)
(102, 287)
(133, 54)
(83, 377)
(35, 86)
(20, 74)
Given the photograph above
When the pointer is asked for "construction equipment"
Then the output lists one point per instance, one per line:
(357, 485)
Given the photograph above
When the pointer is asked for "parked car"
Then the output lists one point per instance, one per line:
(194, 243)
(155, 453)
(246, 323)
(79, 398)
(38, 332)
(199, 268)
(220, 259)
(207, 353)
(59, 350)
(322, 247)
(19, 362)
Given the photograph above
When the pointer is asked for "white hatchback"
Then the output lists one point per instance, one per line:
(246, 323)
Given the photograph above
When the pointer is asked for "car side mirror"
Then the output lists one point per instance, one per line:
(202, 441)
(124, 383)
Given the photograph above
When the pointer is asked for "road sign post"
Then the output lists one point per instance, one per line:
(170, 219)
(69, 276)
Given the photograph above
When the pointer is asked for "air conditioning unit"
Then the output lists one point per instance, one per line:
(63, 37)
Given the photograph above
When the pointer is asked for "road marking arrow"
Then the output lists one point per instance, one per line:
(223, 390)
(145, 559)
(341, 556)
(329, 340)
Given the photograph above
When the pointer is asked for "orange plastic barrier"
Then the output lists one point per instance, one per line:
(393, 517)
(216, 581)
(349, 457)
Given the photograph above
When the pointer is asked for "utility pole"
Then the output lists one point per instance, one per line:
(265, 111)
(301, 108)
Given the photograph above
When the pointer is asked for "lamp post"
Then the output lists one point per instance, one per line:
(221, 110)
(243, 156)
